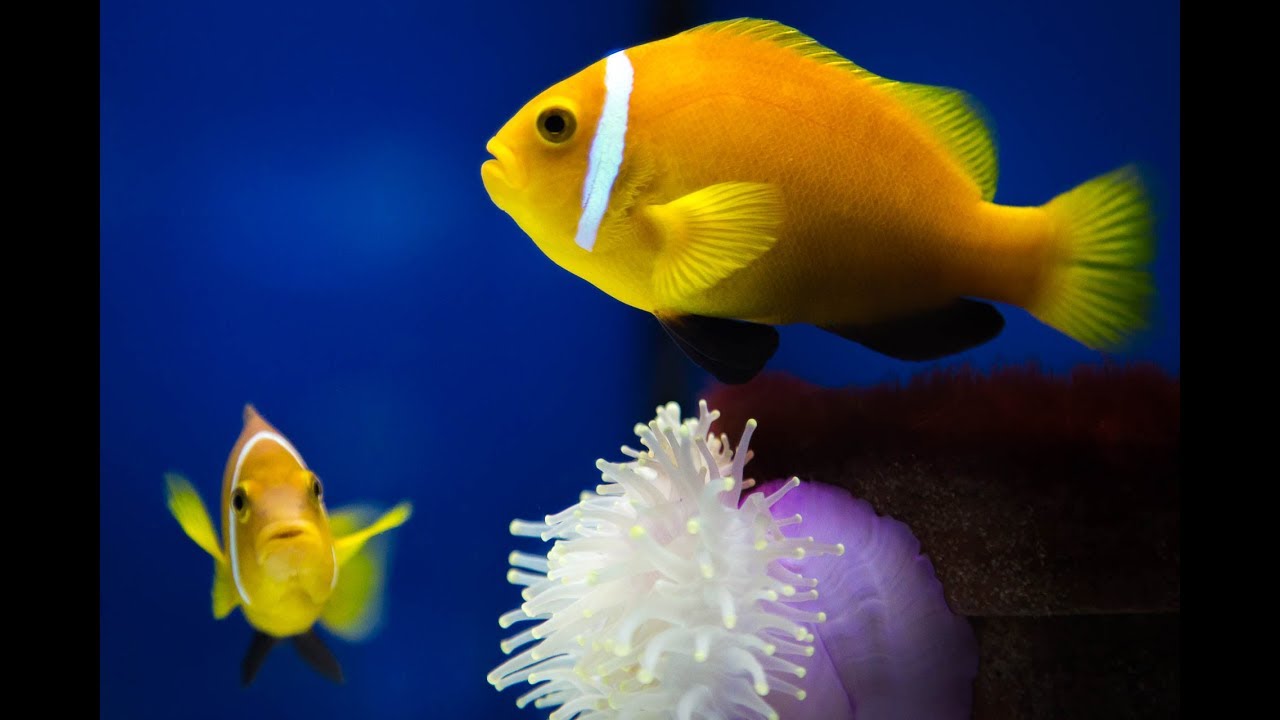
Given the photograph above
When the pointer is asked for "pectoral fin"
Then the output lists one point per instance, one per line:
(710, 234)
(951, 329)
(346, 546)
(733, 351)
(188, 509)
(354, 610)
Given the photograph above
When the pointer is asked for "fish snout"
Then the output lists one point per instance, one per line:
(290, 549)
(503, 169)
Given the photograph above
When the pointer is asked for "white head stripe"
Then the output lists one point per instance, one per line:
(606, 148)
(262, 435)
(235, 482)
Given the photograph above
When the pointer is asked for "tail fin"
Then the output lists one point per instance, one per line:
(1097, 290)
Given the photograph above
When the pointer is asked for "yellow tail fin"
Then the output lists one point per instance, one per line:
(1097, 289)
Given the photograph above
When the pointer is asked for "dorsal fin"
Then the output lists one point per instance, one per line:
(956, 119)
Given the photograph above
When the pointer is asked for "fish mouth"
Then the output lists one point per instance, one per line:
(285, 531)
(502, 169)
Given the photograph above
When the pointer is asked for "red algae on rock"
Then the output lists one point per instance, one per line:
(1112, 414)
(1040, 499)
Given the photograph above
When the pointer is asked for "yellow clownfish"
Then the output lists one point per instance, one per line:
(739, 175)
(284, 560)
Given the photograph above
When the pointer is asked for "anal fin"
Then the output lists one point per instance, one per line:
(734, 351)
(953, 328)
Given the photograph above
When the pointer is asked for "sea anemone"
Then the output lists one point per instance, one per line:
(891, 646)
(668, 592)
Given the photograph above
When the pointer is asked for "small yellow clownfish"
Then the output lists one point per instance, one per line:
(284, 560)
(739, 175)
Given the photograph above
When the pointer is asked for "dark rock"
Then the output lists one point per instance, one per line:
(1049, 507)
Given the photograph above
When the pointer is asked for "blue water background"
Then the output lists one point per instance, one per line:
(292, 215)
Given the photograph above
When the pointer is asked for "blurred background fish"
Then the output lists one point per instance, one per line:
(284, 560)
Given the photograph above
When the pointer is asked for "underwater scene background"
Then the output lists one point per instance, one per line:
(292, 216)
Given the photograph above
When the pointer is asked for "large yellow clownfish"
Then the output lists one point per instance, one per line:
(740, 175)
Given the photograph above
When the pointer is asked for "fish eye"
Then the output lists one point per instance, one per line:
(239, 502)
(556, 125)
(316, 489)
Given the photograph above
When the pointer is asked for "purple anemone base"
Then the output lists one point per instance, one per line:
(890, 647)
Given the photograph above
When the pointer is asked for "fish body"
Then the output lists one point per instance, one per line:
(740, 175)
(282, 558)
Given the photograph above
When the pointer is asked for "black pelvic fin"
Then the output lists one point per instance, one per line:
(734, 351)
(318, 656)
(258, 650)
(951, 329)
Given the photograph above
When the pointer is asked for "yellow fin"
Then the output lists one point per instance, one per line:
(960, 124)
(188, 510)
(1096, 290)
(956, 118)
(354, 610)
(347, 544)
(712, 233)
(225, 598)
